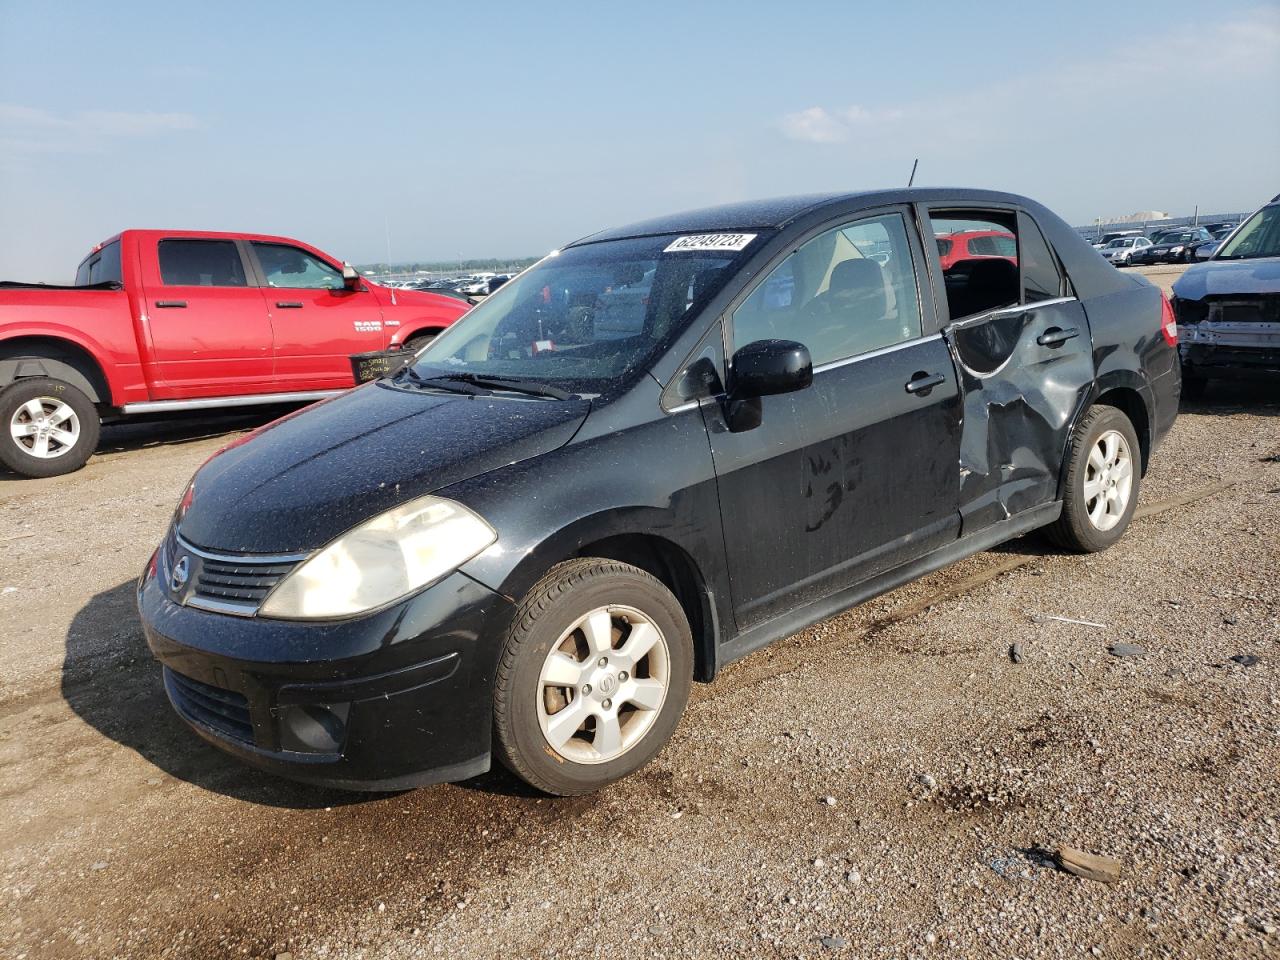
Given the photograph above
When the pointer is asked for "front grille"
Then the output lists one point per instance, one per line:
(222, 710)
(239, 581)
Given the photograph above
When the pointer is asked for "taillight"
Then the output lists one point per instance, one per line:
(1168, 322)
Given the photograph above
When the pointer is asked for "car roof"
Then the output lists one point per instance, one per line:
(778, 212)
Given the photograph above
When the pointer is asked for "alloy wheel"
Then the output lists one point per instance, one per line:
(45, 427)
(1108, 481)
(603, 684)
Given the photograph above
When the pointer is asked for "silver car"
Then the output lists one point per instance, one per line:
(1119, 250)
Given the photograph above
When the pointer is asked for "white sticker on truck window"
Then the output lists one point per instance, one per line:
(710, 241)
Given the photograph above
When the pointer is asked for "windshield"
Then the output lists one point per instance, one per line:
(1259, 237)
(1122, 242)
(583, 318)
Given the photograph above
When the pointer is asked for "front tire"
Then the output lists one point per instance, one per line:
(594, 676)
(1104, 475)
(47, 427)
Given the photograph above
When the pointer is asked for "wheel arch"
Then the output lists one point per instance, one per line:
(678, 572)
(1125, 391)
(427, 328)
(22, 358)
(627, 536)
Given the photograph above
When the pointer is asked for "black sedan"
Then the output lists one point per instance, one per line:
(659, 449)
(1176, 246)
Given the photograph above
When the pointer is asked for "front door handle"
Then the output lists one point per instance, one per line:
(922, 382)
(171, 303)
(1056, 336)
(289, 304)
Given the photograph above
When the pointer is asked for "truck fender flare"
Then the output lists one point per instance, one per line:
(13, 369)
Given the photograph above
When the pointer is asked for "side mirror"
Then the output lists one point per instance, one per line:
(350, 277)
(764, 368)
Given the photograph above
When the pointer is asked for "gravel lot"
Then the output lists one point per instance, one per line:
(887, 784)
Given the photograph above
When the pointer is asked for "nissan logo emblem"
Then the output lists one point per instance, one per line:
(181, 573)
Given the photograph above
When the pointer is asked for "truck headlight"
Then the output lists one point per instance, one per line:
(391, 556)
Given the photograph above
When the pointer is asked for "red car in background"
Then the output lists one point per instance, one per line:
(976, 245)
(168, 320)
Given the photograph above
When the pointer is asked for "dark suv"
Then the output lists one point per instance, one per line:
(659, 449)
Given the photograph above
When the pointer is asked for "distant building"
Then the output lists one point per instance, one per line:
(1142, 216)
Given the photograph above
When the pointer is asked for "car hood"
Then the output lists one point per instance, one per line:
(297, 483)
(1219, 277)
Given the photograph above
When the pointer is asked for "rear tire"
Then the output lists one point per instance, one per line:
(594, 676)
(47, 427)
(1104, 476)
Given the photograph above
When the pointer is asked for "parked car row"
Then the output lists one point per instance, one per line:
(1166, 245)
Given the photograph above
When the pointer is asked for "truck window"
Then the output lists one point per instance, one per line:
(291, 267)
(100, 266)
(107, 265)
(201, 263)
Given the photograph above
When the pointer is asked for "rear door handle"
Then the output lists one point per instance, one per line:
(924, 382)
(289, 304)
(171, 303)
(1056, 336)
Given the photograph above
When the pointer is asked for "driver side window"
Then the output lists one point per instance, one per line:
(845, 292)
(293, 268)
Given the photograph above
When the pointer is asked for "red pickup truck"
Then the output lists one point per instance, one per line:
(168, 320)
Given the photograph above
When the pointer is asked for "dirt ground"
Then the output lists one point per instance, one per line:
(888, 783)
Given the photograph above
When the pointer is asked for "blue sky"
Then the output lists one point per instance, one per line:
(507, 129)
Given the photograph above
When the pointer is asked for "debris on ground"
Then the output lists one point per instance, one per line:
(834, 943)
(1244, 659)
(1087, 865)
(1048, 618)
(1126, 650)
(1015, 653)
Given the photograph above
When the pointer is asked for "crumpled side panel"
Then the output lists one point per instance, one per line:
(1020, 400)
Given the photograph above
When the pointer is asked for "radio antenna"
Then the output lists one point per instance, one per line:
(912, 179)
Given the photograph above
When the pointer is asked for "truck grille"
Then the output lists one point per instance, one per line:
(225, 711)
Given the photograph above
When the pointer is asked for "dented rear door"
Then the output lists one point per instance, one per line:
(1024, 372)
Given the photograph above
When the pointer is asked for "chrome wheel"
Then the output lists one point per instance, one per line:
(44, 428)
(1108, 480)
(603, 684)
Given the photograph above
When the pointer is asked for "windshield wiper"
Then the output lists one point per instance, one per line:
(451, 384)
(510, 383)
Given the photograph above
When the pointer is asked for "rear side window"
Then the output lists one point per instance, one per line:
(201, 263)
(1041, 278)
(107, 266)
(100, 266)
(1008, 261)
(292, 267)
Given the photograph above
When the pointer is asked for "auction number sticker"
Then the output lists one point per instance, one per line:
(710, 241)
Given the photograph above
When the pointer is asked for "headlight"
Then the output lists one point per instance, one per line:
(383, 559)
(1175, 249)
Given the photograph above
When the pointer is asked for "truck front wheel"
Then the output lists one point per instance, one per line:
(47, 427)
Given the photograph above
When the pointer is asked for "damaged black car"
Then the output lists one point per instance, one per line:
(660, 448)
(1228, 308)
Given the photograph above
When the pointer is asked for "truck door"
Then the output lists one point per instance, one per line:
(317, 323)
(1024, 354)
(207, 321)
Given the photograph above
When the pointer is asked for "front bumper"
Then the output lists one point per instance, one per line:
(397, 699)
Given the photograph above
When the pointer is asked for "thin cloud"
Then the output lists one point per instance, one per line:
(120, 124)
(820, 125)
(19, 120)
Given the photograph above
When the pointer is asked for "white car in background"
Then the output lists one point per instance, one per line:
(1119, 250)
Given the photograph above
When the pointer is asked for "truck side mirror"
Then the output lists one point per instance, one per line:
(350, 277)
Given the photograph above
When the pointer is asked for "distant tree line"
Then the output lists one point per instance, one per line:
(494, 264)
